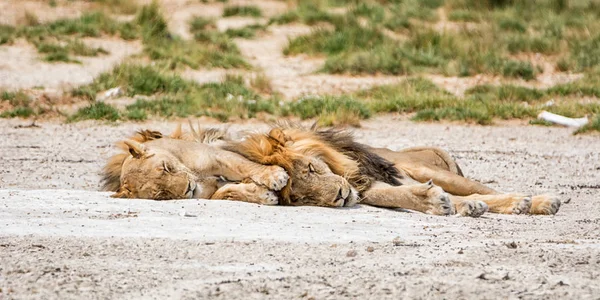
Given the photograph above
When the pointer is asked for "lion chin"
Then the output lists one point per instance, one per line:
(352, 199)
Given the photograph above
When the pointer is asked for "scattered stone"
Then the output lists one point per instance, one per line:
(370, 249)
(351, 253)
(397, 241)
(112, 93)
(184, 213)
(512, 245)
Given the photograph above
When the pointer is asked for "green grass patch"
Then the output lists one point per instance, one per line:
(512, 24)
(60, 39)
(308, 12)
(242, 10)
(210, 48)
(227, 100)
(19, 105)
(7, 34)
(330, 110)
(92, 24)
(594, 125)
(136, 80)
(359, 45)
(19, 112)
(246, 32)
(54, 51)
(119, 6)
(170, 95)
(461, 15)
(96, 111)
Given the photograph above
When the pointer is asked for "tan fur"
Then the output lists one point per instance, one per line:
(299, 153)
(448, 192)
(334, 173)
(429, 163)
(308, 144)
(154, 167)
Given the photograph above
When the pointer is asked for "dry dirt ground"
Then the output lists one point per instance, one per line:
(61, 238)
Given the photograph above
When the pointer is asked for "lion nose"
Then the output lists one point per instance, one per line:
(340, 196)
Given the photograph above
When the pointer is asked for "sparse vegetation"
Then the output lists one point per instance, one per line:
(210, 48)
(96, 111)
(19, 105)
(170, 95)
(490, 37)
(119, 6)
(329, 110)
(246, 32)
(359, 45)
(60, 39)
(239, 10)
(594, 125)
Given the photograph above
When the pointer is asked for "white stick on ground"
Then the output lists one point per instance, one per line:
(562, 120)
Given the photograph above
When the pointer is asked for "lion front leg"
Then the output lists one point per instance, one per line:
(237, 168)
(246, 192)
(426, 197)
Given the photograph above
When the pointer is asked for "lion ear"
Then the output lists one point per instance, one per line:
(178, 133)
(136, 149)
(278, 135)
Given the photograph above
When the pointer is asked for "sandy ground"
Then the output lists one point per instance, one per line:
(61, 238)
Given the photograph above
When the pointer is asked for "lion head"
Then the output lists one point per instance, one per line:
(151, 173)
(148, 171)
(313, 178)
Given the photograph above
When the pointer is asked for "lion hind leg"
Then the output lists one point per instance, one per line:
(450, 182)
(469, 208)
(434, 155)
(422, 197)
(501, 203)
(544, 205)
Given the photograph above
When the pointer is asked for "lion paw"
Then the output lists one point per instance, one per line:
(521, 205)
(439, 202)
(470, 208)
(275, 178)
(268, 198)
(545, 205)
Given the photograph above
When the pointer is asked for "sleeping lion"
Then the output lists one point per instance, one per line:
(325, 168)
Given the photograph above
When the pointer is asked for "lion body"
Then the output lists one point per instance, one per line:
(329, 168)
(155, 167)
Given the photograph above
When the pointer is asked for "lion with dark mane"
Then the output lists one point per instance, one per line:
(329, 168)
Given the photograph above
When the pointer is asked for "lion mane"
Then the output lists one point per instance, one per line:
(336, 148)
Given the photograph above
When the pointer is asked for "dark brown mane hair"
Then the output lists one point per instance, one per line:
(370, 164)
(266, 150)
(336, 148)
